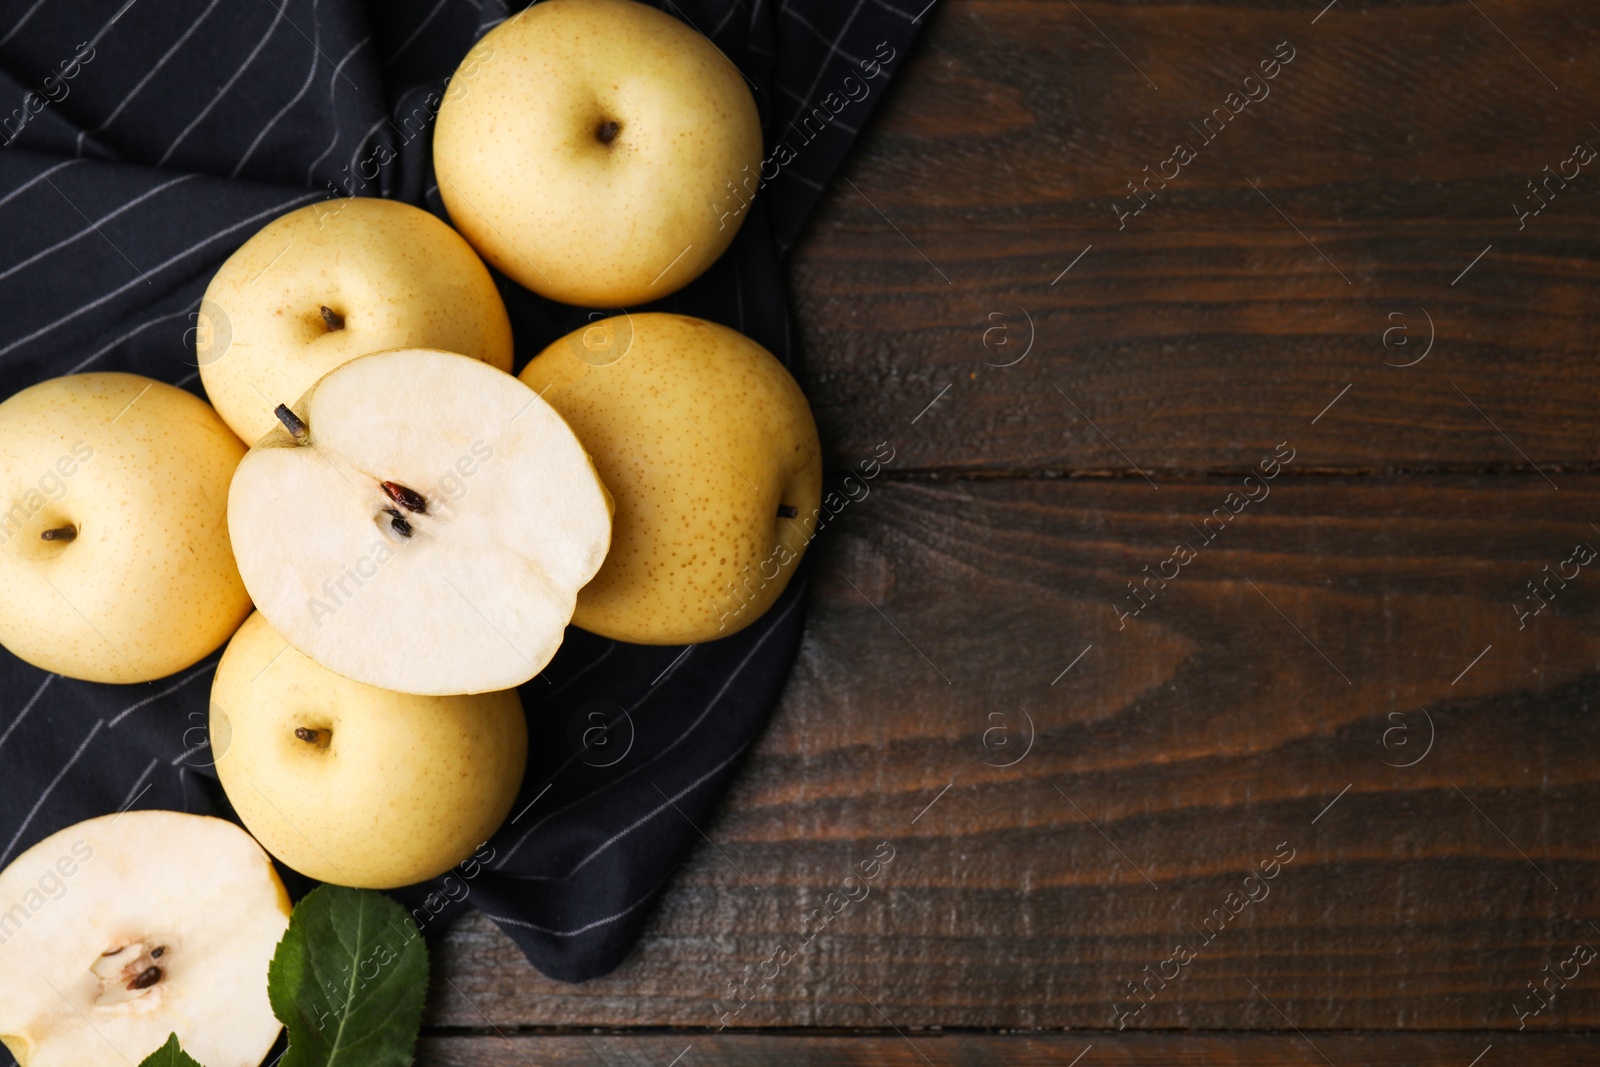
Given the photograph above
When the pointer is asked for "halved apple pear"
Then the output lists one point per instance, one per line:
(420, 522)
(121, 930)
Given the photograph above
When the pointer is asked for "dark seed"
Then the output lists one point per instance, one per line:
(304, 734)
(607, 132)
(398, 523)
(787, 511)
(60, 533)
(406, 497)
(332, 318)
(147, 978)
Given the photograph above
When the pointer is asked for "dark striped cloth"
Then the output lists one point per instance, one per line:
(141, 142)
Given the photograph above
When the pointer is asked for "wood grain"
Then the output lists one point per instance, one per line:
(1258, 284)
(958, 1050)
(1319, 640)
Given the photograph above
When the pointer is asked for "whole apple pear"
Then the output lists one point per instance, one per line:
(711, 454)
(115, 562)
(316, 288)
(591, 150)
(355, 785)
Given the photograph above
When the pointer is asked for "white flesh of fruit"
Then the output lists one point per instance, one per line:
(472, 594)
(124, 929)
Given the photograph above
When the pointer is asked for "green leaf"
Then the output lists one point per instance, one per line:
(169, 1055)
(348, 981)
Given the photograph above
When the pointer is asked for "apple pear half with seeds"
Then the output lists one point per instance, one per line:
(119, 931)
(421, 522)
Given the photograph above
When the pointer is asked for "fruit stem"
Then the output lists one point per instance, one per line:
(292, 423)
(60, 533)
(787, 511)
(607, 131)
(332, 318)
(305, 733)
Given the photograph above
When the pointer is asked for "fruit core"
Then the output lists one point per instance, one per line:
(129, 972)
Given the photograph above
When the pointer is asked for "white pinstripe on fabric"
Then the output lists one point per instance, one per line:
(51, 788)
(137, 329)
(23, 21)
(316, 56)
(277, 20)
(833, 49)
(833, 123)
(35, 180)
(151, 73)
(833, 46)
(41, 331)
(669, 802)
(333, 92)
(134, 792)
(586, 927)
(691, 728)
(94, 226)
(719, 27)
(601, 658)
(28, 706)
(416, 32)
(185, 680)
(355, 153)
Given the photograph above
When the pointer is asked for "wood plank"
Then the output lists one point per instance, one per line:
(1386, 157)
(1267, 695)
(955, 1049)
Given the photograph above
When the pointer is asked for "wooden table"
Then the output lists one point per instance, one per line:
(1345, 677)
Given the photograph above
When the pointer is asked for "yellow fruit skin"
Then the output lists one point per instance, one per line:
(140, 470)
(584, 220)
(391, 789)
(701, 435)
(396, 275)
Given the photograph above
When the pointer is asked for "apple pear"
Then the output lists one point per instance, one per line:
(121, 930)
(329, 282)
(710, 451)
(355, 785)
(590, 149)
(420, 522)
(115, 564)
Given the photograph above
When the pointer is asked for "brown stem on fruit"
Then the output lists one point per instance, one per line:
(406, 497)
(398, 523)
(306, 734)
(291, 422)
(607, 131)
(332, 318)
(787, 511)
(60, 533)
(146, 978)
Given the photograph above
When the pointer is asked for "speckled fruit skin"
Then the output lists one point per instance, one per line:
(399, 277)
(141, 470)
(393, 789)
(701, 435)
(529, 181)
